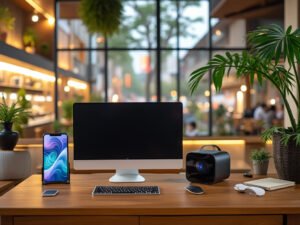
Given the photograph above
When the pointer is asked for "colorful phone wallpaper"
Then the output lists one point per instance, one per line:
(56, 158)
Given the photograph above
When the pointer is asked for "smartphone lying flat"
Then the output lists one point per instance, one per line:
(55, 159)
(50, 193)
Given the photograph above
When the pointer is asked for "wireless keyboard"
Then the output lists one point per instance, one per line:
(126, 190)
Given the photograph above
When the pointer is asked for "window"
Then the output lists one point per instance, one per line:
(136, 64)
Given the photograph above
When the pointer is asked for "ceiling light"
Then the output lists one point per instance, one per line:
(35, 18)
(51, 20)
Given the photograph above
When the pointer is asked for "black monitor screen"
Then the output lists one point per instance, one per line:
(112, 131)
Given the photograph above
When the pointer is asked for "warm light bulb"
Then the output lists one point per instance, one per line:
(13, 96)
(243, 88)
(115, 98)
(173, 93)
(207, 93)
(35, 18)
(218, 32)
(67, 89)
(272, 101)
(51, 21)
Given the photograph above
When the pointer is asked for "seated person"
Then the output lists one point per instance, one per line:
(191, 129)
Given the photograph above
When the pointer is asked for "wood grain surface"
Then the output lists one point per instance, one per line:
(6, 185)
(212, 220)
(76, 199)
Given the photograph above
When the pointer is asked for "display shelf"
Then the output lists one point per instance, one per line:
(34, 60)
(15, 89)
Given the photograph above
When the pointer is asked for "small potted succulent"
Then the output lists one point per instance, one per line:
(8, 116)
(7, 22)
(260, 161)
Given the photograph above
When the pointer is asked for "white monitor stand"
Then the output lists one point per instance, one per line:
(126, 175)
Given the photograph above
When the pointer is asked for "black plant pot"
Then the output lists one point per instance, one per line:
(286, 159)
(8, 138)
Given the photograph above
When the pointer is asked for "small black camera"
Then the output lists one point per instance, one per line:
(207, 166)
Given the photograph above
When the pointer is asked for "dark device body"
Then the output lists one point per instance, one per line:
(207, 166)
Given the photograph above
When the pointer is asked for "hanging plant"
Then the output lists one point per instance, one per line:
(101, 16)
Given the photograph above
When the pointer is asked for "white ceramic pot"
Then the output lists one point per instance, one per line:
(14, 165)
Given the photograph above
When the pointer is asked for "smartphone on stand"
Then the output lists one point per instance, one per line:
(56, 167)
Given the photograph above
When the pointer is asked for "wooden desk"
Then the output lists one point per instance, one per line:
(220, 205)
(6, 185)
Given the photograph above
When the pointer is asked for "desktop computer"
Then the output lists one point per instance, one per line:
(127, 137)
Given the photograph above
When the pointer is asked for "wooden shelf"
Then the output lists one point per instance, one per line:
(34, 60)
(15, 89)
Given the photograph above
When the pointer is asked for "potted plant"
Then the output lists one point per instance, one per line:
(24, 117)
(8, 116)
(7, 22)
(101, 16)
(268, 46)
(44, 49)
(29, 40)
(260, 161)
(67, 107)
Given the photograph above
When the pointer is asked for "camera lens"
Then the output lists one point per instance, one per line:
(201, 167)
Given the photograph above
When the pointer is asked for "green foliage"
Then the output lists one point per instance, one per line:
(45, 48)
(29, 37)
(57, 126)
(67, 107)
(222, 121)
(260, 155)
(268, 45)
(287, 134)
(11, 114)
(138, 29)
(60, 128)
(96, 98)
(23, 103)
(101, 16)
(7, 21)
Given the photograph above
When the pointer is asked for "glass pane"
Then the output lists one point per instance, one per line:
(235, 105)
(169, 76)
(228, 104)
(168, 24)
(74, 61)
(193, 24)
(138, 28)
(97, 92)
(132, 76)
(81, 82)
(195, 107)
(71, 32)
(229, 33)
(233, 33)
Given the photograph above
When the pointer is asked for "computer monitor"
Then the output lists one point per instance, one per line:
(127, 137)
